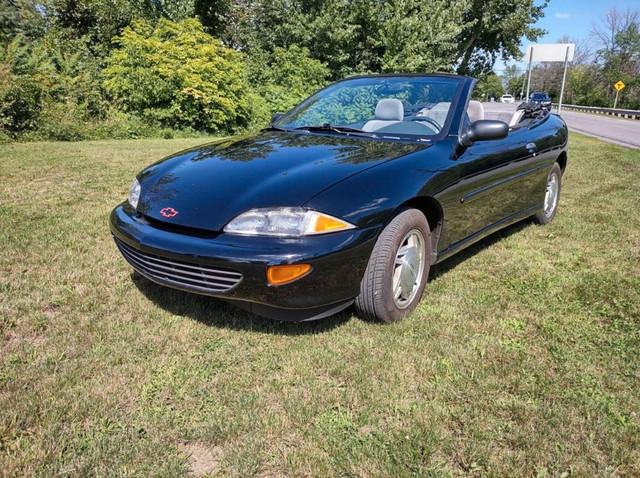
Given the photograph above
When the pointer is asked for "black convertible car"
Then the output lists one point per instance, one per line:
(347, 198)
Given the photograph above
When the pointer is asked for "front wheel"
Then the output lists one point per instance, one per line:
(398, 269)
(551, 196)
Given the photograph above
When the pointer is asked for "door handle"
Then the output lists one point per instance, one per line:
(531, 148)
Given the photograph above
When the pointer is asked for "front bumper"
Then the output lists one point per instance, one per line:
(338, 263)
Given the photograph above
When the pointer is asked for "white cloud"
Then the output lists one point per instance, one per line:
(563, 16)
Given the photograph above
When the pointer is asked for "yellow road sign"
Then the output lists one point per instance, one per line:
(619, 85)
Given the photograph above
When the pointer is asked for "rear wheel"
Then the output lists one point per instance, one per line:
(395, 277)
(551, 196)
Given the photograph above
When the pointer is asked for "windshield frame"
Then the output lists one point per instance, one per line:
(446, 129)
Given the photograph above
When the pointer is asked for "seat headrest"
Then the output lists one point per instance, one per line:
(475, 110)
(390, 109)
(516, 118)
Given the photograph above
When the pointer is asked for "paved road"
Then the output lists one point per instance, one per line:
(607, 128)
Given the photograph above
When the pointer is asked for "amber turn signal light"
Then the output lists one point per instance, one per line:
(329, 224)
(278, 275)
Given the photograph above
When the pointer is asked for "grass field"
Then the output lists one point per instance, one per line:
(521, 360)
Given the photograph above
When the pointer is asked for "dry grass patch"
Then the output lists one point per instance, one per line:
(203, 460)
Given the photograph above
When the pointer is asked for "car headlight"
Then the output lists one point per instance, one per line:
(134, 194)
(285, 222)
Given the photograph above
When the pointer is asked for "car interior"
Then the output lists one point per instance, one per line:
(391, 117)
(519, 119)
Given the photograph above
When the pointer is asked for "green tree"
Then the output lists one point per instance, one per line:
(21, 17)
(95, 22)
(286, 77)
(623, 63)
(488, 86)
(174, 10)
(510, 76)
(358, 36)
(22, 89)
(361, 36)
(619, 55)
(493, 29)
(217, 16)
(325, 28)
(177, 75)
(421, 36)
(547, 77)
(585, 86)
(516, 86)
(9, 19)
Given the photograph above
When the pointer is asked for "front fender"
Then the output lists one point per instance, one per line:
(371, 197)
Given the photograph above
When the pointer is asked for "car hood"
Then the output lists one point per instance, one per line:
(206, 187)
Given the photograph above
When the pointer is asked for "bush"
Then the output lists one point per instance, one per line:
(20, 102)
(178, 76)
(68, 123)
(285, 77)
(119, 125)
(63, 122)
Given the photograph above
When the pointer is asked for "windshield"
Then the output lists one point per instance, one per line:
(378, 106)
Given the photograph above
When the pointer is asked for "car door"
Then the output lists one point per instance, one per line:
(496, 181)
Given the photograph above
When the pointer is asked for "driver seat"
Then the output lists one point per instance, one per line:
(388, 111)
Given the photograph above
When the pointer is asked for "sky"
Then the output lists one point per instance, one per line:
(573, 18)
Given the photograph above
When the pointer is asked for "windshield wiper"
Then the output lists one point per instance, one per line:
(274, 128)
(327, 127)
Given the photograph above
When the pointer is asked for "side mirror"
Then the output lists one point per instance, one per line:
(276, 117)
(484, 130)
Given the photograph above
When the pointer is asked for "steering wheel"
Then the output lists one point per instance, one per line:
(429, 120)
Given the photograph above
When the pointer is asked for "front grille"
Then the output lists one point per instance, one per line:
(202, 278)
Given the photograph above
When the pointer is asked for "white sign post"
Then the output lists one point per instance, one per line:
(564, 78)
(530, 55)
(551, 52)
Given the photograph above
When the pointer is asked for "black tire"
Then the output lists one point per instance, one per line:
(550, 205)
(410, 232)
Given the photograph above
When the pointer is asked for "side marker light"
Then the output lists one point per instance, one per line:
(278, 275)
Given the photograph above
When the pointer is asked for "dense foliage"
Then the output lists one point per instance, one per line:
(178, 76)
(285, 77)
(73, 69)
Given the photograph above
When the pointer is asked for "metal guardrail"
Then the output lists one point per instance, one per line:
(631, 114)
